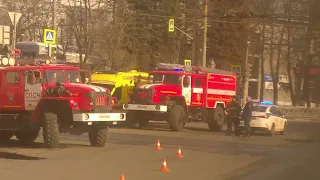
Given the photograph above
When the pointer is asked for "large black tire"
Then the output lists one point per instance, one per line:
(137, 120)
(51, 130)
(176, 118)
(98, 134)
(132, 121)
(143, 122)
(216, 119)
(5, 136)
(27, 137)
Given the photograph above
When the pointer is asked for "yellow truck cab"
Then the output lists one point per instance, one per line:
(119, 83)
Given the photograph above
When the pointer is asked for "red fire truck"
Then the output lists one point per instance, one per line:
(52, 97)
(180, 94)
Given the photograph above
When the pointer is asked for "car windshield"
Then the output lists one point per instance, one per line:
(167, 78)
(259, 108)
(72, 76)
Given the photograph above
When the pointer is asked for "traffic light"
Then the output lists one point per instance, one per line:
(249, 70)
(54, 53)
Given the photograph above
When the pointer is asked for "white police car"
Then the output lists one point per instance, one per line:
(267, 118)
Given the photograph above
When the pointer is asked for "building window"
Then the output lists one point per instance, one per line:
(12, 78)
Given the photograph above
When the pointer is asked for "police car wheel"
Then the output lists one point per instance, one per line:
(272, 130)
(284, 129)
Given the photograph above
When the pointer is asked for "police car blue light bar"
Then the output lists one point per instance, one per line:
(266, 102)
(178, 69)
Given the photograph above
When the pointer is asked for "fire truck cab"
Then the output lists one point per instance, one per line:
(181, 94)
(53, 97)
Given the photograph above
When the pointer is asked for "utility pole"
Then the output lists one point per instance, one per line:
(259, 78)
(205, 31)
(246, 76)
(54, 22)
(54, 14)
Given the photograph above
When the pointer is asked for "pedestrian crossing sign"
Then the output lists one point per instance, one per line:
(236, 69)
(49, 36)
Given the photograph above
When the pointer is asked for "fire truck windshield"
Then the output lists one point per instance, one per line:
(167, 78)
(72, 76)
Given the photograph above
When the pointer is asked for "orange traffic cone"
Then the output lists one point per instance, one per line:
(164, 167)
(122, 177)
(179, 154)
(158, 146)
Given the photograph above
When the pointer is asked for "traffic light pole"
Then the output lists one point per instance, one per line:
(205, 31)
(246, 76)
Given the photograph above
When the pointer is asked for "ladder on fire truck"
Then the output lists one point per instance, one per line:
(193, 69)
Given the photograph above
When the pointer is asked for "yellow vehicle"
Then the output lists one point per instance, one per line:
(120, 84)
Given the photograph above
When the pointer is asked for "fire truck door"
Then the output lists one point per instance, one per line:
(186, 89)
(32, 92)
(198, 84)
(12, 97)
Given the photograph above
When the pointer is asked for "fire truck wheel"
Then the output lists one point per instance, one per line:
(5, 136)
(27, 137)
(216, 123)
(51, 130)
(98, 134)
(176, 118)
(132, 121)
(143, 122)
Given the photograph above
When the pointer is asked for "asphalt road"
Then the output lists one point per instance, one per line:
(207, 156)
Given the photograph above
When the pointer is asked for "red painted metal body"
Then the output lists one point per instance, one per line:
(207, 89)
(14, 95)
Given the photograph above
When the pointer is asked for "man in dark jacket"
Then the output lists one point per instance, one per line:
(247, 116)
(233, 110)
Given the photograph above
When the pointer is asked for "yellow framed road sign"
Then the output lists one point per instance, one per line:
(49, 36)
(187, 62)
(236, 69)
(171, 25)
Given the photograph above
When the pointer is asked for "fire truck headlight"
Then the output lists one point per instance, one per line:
(86, 116)
(47, 61)
(5, 61)
(12, 62)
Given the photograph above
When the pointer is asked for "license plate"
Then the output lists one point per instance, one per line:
(142, 107)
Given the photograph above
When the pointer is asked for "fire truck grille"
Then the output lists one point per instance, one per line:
(102, 102)
(142, 96)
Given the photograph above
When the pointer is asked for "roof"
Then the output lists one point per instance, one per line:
(30, 43)
(45, 67)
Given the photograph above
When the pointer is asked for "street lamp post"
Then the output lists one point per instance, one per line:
(246, 75)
